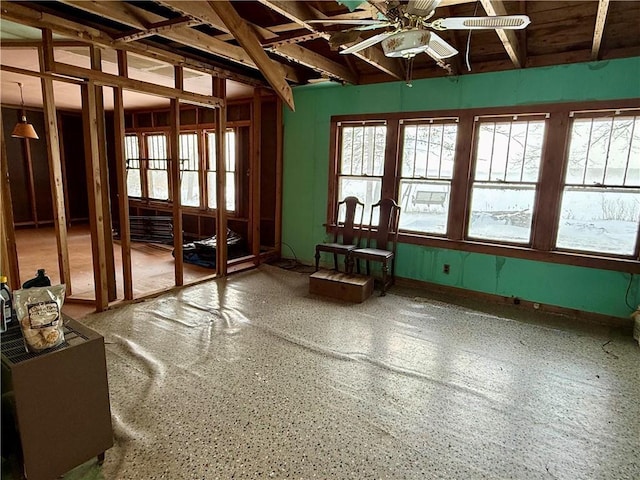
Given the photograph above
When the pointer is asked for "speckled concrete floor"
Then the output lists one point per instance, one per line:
(252, 377)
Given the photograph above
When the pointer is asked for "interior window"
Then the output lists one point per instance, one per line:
(157, 171)
(428, 150)
(189, 171)
(230, 185)
(132, 157)
(361, 163)
(507, 164)
(600, 209)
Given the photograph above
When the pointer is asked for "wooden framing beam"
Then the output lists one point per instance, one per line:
(249, 41)
(8, 249)
(507, 37)
(56, 180)
(299, 12)
(294, 53)
(157, 28)
(174, 167)
(601, 20)
(96, 65)
(106, 79)
(121, 174)
(279, 169)
(132, 16)
(24, 15)
(95, 192)
(255, 153)
(220, 89)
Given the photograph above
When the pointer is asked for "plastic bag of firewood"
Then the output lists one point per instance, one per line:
(39, 311)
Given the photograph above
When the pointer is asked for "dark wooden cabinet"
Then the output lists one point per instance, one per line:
(60, 400)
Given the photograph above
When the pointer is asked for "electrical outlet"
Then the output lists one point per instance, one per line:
(445, 268)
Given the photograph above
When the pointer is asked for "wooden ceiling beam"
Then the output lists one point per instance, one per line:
(294, 53)
(507, 37)
(19, 13)
(122, 13)
(157, 28)
(601, 20)
(249, 41)
(299, 12)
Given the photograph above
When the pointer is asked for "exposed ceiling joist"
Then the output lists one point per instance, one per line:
(299, 12)
(507, 37)
(157, 28)
(294, 53)
(122, 13)
(249, 41)
(18, 13)
(601, 19)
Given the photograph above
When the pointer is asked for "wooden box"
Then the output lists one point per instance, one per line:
(351, 288)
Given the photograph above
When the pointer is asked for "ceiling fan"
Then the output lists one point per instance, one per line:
(409, 31)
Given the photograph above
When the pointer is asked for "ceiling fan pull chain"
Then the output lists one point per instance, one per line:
(409, 71)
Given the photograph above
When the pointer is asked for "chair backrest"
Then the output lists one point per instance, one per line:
(387, 229)
(352, 226)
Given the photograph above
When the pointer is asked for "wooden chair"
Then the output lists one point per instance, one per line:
(381, 242)
(351, 228)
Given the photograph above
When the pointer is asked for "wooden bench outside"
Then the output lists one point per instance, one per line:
(427, 197)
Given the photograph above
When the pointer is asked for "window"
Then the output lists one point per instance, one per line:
(507, 163)
(600, 209)
(189, 171)
(428, 151)
(361, 162)
(230, 186)
(132, 157)
(157, 172)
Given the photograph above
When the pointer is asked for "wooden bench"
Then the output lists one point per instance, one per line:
(427, 197)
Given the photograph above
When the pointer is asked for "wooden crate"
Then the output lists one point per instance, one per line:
(351, 288)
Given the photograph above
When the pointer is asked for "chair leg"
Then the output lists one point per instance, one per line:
(347, 268)
(335, 262)
(384, 279)
(317, 259)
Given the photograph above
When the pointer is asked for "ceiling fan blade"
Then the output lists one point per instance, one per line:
(422, 8)
(438, 48)
(367, 43)
(506, 22)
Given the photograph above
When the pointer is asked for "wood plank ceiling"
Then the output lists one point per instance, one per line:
(272, 42)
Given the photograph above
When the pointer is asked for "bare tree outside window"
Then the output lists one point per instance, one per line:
(361, 164)
(507, 164)
(426, 171)
(600, 209)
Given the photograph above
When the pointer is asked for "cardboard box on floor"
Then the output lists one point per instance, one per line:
(343, 286)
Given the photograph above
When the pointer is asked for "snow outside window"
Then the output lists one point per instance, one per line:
(600, 209)
(507, 164)
(132, 157)
(361, 166)
(230, 185)
(427, 169)
(189, 171)
(157, 171)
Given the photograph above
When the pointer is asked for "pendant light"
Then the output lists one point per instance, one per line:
(22, 128)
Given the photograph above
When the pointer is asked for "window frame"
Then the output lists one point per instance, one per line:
(546, 210)
(495, 119)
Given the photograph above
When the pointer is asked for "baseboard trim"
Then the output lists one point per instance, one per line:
(580, 315)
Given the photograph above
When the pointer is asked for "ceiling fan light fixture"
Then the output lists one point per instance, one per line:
(406, 44)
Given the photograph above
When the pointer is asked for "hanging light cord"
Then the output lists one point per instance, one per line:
(475, 11)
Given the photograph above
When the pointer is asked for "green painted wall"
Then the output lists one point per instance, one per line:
(306, 162)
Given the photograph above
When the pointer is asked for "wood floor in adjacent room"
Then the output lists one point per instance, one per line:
(250, 376)
(152, 265)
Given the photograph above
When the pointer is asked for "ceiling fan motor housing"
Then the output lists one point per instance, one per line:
(406, 44)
